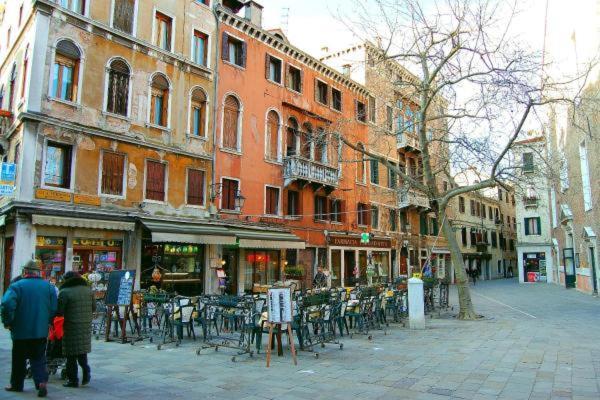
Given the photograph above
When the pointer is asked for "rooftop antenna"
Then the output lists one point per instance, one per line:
(285, 19)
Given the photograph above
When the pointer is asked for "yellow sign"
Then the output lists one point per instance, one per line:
(417, 275)
(52, 195)
(86, 199)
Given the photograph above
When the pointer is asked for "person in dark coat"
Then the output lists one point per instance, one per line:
(320, 280)
(28, 307)
(76, 304)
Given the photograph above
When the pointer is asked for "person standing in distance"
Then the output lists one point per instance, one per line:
(28, 307)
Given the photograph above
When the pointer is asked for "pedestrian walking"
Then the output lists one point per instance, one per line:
(320, 280)
(474, 273)
(76, 304)
(28, 307)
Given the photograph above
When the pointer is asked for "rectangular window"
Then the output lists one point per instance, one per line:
(64, 78)
(57, 166)
(363, 214)
(423, 224)
(533, 226)
(461, 204)
(336, 210)
(198, 117)
(155, 180)
(472, 206)
(389, 118)
(158, 106)
(463, 234)
(374, 168)
(361, 111)
(77, 6)
(229, 191)
(272, 201)
(293, 203)
(336, 99)
(372, 108)
(490, 214)
(321, 92)
(294, 79)
(433, 227)
(113, 167)
(273, 69)
(195, 187)
(527, 163)
(162, 33)
(393, 220)
(233, 51)
(375, 217)
(499, 194)
(123, 15)
(585, 177)
(321, 208)
(494, 239)
(473, 237)
(200, 48)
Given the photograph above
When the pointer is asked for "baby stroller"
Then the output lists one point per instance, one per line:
(54, 356)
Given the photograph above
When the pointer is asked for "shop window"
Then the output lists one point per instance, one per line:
(159, 100)
(374, 168)
(272, 136)
(163, 26)
(263, 268)
(123, 15)
(336, 99)
(57, 165)
(375, 217)
(273, 68)
(50, 256)
(360, 111)
(118, 88)
(360, 165)
(233, 51)
(293, 203)
(336, 210)
(294, 78)
(77, 6)
(195, 187)
(24, 72)
(271, 200)
(65, 71)
(101, 256)
(461, 204)
(321, 212)
(155, 180)
(198, 113)
(321, 92)
(200, 48)
(291, 142)
(372, 108)
(113, 167)
(363, 214)
(229, 191)
(231, 121)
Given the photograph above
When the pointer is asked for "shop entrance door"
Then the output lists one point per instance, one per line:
(569, 261)
(8, 255)
(349, 265)
(230, 256)
(593, 267)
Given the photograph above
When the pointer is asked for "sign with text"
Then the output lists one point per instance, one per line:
(120, 288)
(52, 195)
(8, 173)
(279, 305)
(353, 241)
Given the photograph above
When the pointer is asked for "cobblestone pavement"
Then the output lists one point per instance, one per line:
(536, 342)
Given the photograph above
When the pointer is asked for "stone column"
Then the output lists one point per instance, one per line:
(416, 304)
(24, 244)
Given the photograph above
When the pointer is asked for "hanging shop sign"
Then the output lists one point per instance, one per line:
(52, 195)
(8, 174)
(86, 199)
(354, 241)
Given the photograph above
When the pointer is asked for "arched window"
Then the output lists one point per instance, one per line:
(24, 72)
(292, 137)
(11, 86)
(360, 166)
(306, 141)
(272, 136)
(159, 102)
(118, 88)
(231, 121)
(65, 71)
(198, 113)
(321, 146)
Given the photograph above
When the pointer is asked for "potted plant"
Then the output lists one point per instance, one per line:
(293, 272)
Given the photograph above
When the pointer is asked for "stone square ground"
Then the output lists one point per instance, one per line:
(536, 342)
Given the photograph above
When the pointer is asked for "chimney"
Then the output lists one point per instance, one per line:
(254, 13)
(347, 69)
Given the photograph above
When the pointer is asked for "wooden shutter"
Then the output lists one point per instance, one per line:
(195, 187)
(123, 15)
(539, 225)
(301, 81)
(112, 173)
(268, 201)
(230, 123)
(243, 56)
(155, 181)
(67, 166)
(225, 47)
(272, 135)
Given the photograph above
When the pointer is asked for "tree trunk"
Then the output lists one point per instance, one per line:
(466, 311)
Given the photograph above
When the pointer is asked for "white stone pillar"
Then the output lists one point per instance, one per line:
(24, 244)
(416, 304)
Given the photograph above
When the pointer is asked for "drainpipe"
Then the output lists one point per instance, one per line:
(215, 100)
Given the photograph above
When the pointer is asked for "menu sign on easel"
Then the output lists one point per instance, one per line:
(279, 305)
(120, 288)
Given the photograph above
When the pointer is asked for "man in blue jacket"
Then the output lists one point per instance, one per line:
(28, 307)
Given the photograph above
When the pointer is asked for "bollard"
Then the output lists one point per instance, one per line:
(416, 304)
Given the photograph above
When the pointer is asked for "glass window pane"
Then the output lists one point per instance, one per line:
(158, 107)
(196, 125)
(55, 71)
(54, 166)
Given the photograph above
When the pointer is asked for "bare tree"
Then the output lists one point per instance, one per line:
(475, 86)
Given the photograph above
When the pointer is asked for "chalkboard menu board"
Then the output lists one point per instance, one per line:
(120, 288)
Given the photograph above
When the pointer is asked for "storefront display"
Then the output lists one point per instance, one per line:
(535, 267)
(262, 269)
(180, 266)
(99, 256)
(50, 255)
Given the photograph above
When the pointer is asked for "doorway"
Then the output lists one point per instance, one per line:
(230, 257)
(593, 267)
(349, 266)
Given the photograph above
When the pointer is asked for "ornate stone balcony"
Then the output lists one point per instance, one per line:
(296, 168)
(408, 142)
(412, 199)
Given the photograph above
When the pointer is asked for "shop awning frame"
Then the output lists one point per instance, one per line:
(178, 232)
(74, 222)
(268, 239)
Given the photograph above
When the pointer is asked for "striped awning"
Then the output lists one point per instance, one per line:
(178, 232)
(73, 222)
